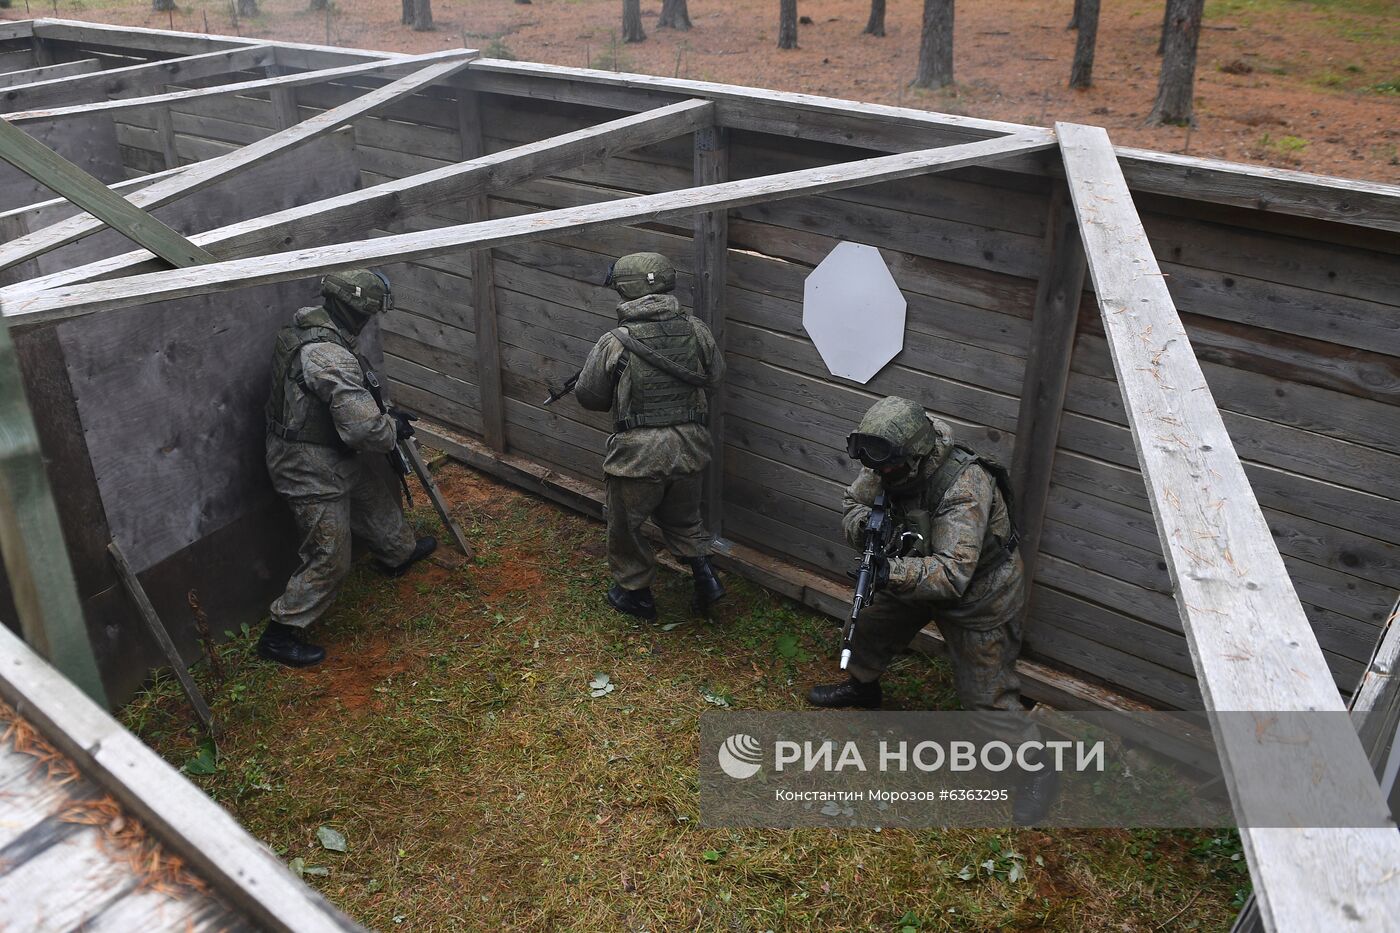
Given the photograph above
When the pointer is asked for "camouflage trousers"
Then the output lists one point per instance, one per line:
(983, 659)
(353, 500)
(674, 504)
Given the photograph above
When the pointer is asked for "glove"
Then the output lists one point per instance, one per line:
(403, 428)
(882, 574)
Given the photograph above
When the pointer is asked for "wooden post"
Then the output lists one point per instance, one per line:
(711, 252)
(137, 592)
(165, 126)
(488, 346)
(1047, 372)
(31, 541)
(35, 159)
(284, 107)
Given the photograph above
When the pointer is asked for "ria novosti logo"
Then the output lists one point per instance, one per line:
(740, 756)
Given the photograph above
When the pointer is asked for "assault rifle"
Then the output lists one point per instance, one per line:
(878, 533)
(397, 460)
(556, 394)
(405, 457)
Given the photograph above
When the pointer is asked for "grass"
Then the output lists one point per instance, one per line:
(452, 739)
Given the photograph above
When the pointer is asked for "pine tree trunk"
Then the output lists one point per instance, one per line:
(1074, 17)
(787, 24)
(876, 24)
(1166, 24)
(423, 16)
(1081, 73)
(936, 45)
(674, 15)
(406, 13)
(319, 4)
(1178, 82)
(247, 7)
(160, 6)
(632, 21)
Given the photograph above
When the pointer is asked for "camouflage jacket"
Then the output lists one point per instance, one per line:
(964, 525)
(646, 453)
(333, 377)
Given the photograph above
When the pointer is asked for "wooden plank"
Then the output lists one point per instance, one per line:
(80, 299)
(31, 541)
(1047, 373)
(165, 127)
(1230, 582)
(131, 38)
(50, 72)
(132, 80)
(209, 172)
(711, 250)
(241, 870)
(384, 204)
(29, 155)
(1279, 191)
(387, 67)
(22, 29)
(162, 637)
(488, 349)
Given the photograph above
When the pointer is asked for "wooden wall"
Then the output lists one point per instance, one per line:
(1294, 320)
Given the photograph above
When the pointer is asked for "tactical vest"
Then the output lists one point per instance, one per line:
(996, 550)
(658, 398)
(294, 412)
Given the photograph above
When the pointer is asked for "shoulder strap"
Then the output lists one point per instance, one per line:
(660, 362)
(960, 459)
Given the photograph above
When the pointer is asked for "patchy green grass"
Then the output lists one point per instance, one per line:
(453, 740)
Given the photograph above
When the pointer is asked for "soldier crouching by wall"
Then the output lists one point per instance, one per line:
(654, 373)
(320, 416)
(962, 571)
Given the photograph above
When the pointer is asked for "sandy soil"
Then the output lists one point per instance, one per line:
(1289, 83)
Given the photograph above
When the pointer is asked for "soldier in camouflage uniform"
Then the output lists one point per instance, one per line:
(653, 373)
(320, 416)
(962, 571)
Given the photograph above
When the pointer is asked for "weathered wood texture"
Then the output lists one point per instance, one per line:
(1229, 582)
(1286, 284)
(88, 142)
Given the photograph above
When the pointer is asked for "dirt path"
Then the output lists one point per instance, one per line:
(1306, 84)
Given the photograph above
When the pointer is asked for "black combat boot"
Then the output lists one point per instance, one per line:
(708, 589)
(637, 603)
(283, 644)
(851, 692)
(1035, 793)
(426, 545)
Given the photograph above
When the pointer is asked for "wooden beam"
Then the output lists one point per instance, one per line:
(165, 129)
(211, 171)
(384, 67)
(899, 129)
(242, 871)
(710, 264)
(22, 29)
(164, 41)
(148, 614)
(1251, 644)
(50, 72)
(133, 79)
(383, 205)
(1047, 372)
(32, 157)
(61, 302)
(488, 342)
(31, 541)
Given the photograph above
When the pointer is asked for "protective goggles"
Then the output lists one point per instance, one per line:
(874, 451)
(610, 279)
(355, 293)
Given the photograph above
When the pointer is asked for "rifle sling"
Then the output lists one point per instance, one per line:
(668, 367)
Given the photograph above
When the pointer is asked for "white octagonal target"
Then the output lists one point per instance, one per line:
(854, 312)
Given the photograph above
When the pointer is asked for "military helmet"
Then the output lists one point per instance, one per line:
(893, 432)
(365, 291)
(638, 274)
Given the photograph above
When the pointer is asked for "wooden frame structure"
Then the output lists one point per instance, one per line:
(1204, 444)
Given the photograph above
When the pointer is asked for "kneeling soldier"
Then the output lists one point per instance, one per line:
(654, 372)
(319, 417)
(962, 570)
